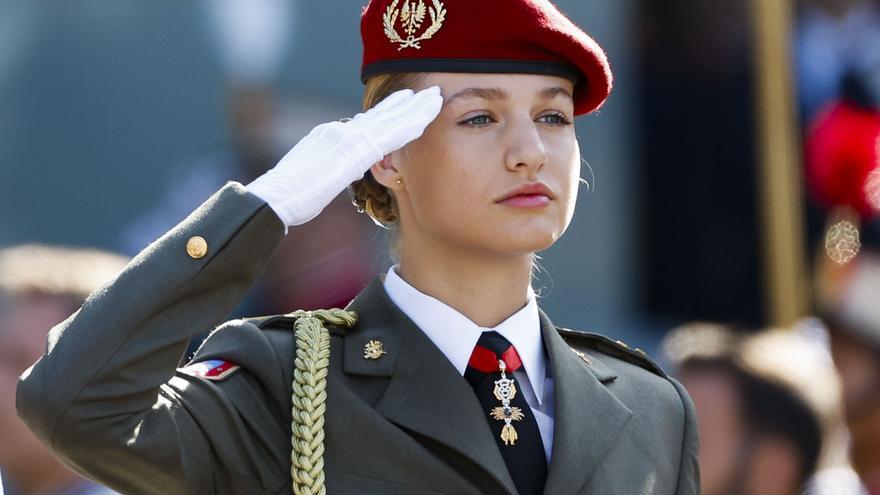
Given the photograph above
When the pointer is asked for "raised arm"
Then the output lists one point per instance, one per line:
(106, 396)
(95, 396)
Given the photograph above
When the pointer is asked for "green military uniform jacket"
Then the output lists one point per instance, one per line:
(108, 399)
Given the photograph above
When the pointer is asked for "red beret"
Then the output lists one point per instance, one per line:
(485, 36)
(842, 155)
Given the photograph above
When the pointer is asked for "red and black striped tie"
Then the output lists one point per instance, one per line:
(525, 458)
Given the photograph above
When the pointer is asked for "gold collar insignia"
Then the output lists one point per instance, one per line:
(374, 350)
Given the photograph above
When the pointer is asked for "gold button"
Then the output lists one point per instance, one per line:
(196, 247)
(622, 344)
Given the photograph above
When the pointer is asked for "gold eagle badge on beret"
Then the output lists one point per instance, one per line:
(412, 18)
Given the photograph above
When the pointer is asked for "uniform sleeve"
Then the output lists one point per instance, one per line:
(689, 465)
(106, 397)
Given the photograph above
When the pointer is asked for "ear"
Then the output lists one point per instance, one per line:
(386, 173)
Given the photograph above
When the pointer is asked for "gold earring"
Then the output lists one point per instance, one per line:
(399, 181)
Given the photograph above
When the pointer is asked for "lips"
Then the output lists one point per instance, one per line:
(532, 194)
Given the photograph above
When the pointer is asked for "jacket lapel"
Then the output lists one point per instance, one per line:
(588, 418)
(425, 394)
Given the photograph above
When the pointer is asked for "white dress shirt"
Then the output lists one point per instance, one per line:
(455, 335)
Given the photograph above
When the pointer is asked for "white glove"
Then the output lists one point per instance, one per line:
(335, 154)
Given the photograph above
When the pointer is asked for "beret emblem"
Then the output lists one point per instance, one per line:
(411, 17)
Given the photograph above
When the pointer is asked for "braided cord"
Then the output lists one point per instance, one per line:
(310, 395)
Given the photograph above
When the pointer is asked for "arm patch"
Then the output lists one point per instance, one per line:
(212, 369)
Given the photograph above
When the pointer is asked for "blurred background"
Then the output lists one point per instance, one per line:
(715, 182)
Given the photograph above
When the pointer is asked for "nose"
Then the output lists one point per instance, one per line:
(526, 151)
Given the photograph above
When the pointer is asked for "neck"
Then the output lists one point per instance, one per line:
(484, 287)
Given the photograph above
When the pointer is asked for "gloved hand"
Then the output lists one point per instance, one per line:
(335, 154)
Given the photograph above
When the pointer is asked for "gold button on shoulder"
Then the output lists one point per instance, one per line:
(622, 344)
(196, 247)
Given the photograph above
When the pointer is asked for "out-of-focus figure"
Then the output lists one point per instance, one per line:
(842, 153)
(769, 410)
(322, 264)
(833, 37)
(852, 311)
(325, 263)
(39, 287)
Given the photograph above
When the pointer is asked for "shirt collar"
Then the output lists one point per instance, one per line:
(455, 335)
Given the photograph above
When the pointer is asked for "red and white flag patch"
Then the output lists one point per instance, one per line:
(212, 369)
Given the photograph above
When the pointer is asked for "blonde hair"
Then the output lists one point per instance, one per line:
(367, 194)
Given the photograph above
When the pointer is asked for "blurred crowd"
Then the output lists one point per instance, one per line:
(792, 410)
(797, 409)
(40, 286)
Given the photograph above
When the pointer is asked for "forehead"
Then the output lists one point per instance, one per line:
(518, 84)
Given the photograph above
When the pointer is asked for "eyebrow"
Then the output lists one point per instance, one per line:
(550, 93)
(491, 94)
(496, 94)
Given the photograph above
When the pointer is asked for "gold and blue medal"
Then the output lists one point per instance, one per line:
(505, 391)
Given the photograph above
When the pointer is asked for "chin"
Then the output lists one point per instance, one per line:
(520, 241)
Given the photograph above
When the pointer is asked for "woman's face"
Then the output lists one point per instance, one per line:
(498, 169)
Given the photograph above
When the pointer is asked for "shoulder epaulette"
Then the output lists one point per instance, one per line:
(265, 321)
(613, 348)
(283, 321)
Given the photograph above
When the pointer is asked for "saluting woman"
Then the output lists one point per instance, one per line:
(443, 376)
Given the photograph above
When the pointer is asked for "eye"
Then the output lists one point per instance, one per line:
(555, 118)
(481, 120)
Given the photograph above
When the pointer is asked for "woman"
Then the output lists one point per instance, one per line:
(443, 376)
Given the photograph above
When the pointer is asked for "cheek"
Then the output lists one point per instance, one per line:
(456, 183)
(567, 162)
(448, 177)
